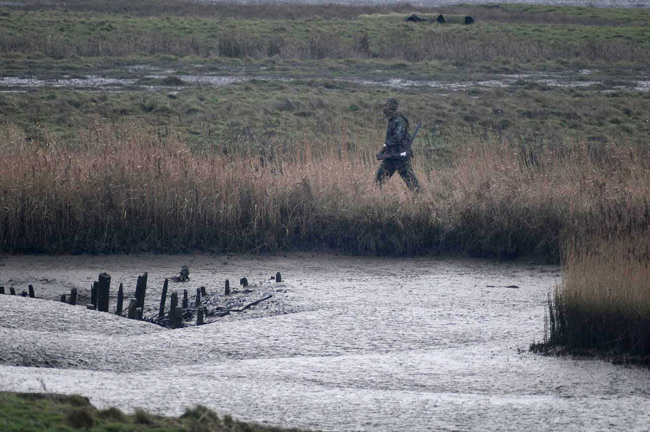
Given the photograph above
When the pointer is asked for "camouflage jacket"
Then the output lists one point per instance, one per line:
(397, 134)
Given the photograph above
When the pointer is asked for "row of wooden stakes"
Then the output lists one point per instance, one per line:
(12, 291)
(100, 294)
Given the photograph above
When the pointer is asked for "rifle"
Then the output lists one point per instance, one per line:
(407, 149)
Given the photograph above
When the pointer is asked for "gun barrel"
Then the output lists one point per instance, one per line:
(415, 133)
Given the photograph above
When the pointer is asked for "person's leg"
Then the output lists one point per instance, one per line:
(385, 171)
(405, 170)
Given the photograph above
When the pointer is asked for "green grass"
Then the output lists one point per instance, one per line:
(22, 412)
(233, 116)
(58, 34)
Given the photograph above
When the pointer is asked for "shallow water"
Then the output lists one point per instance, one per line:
(94, 82)
(359, 344)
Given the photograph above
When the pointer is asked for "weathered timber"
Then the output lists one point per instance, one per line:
(199, 316)
(93, 294)
(120, 300)
(178, 318)
(73, 296)
(138, 314)
(63, 298)
(103, 292)
(12, 290)
(227, 289)
(185, 299)
(163, 299)
(243, 282)
(141, 289)
(24, 294)
(248, 305)
(90, 306)
(2, 290)
(133, 305)
(197, 300)
(203, 292)
(31, 291)
(278, 277)
(173, 304)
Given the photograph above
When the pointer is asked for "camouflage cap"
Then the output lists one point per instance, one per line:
(391, 103)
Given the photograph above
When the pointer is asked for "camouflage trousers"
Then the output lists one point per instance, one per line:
(403, 166)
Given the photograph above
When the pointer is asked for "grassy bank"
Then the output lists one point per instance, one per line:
(39, 412)
(243, 117)
(583, 37)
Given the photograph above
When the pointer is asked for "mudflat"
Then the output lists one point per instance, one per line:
(347, 343)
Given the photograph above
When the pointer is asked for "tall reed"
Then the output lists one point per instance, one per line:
(129, 188)
(603, 304)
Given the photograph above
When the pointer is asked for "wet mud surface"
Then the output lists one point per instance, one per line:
(346, 343)
(150, 78)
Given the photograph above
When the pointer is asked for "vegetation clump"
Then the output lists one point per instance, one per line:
(603, 304)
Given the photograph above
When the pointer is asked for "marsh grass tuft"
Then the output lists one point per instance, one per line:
(80, 418)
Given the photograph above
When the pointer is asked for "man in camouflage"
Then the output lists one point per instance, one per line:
(397, 138)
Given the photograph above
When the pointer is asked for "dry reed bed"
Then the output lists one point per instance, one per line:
(127, 188)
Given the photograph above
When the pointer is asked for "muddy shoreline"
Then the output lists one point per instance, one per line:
(365, 344)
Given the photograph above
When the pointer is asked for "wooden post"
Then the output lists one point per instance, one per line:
(163, 299)
(138, 284)
(24, 294)
(199, 316)
(93, 294)
(2, 290)
(12, 290)
(185, 300)
(133, 305)
(31, 291)
(120, 300)
(73, 296)
(141, 289)
(244, 282)
(173, 304)
(90, 306)
(178, 317)
(63, 299)
(197, 300)
(203, 292)
(278, 277)
(227, 290)
(138, 314)
(103, 292)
